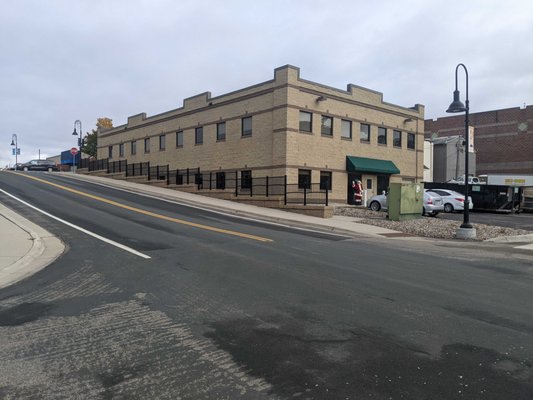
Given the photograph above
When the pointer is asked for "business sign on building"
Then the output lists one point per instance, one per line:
(470, 139)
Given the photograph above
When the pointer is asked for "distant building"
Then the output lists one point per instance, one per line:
(503, 138)
(446, 159)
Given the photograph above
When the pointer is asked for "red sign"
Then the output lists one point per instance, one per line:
(74, 151)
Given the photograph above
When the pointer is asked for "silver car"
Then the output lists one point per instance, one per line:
(453, 201)
(433, 203)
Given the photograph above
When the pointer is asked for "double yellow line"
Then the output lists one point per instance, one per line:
(149, 213)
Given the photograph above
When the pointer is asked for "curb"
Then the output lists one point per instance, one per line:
(45, 249)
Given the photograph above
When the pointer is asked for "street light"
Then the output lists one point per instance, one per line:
(80, 141)
(466, 230)
(14, 142)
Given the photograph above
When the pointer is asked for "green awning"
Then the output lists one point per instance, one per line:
(372, 165)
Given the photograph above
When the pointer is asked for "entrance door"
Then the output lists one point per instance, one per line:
(352, 176)
(383, 183)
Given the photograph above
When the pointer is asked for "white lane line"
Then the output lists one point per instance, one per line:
(95, 235)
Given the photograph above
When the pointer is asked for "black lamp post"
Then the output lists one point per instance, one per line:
(456, 107)
(80, 140)
(14, 142)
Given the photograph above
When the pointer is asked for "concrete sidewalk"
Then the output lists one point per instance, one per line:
(25, 248)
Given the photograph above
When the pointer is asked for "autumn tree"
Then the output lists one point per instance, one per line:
(90, 139)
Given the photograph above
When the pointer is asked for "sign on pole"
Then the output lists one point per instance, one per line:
(74, 151)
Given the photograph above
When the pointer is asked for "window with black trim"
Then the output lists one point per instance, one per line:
(110, 151)
(397, 138)
(179, 139)
(246, 179)
(121, 150)
(326, 125)
(162, 142)
(147, 145)
(346, 129)
(246, 124)
(325, 180)
(199, 135)
(382, 135)
(304, 179)
(365, 133)
(411, 141)
(221, 180)
(369, 183)
(306, 121)
(133, 147)
(221, 131)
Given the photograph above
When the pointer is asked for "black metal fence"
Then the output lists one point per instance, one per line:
(234, 182)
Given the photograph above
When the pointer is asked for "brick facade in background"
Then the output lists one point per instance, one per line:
(503, 139)
(278, 143)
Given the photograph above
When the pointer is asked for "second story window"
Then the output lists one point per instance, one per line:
(133, 147)
(147, 145)
(162, 142)
(247, 126)
(382, 135)
(110, 152)
(346, 129)
(411, 141)
(326, 126)
(397, 138)
(365, 133)
(199, 135)
(221, 131)
(306, 121)
(179, 139)
(121, 150)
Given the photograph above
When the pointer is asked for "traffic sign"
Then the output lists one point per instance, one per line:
(74, 151)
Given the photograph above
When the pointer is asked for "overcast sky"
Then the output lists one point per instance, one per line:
(76, 59)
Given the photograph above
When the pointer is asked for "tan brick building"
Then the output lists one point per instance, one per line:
(284, 126)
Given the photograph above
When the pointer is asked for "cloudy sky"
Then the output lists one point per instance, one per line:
(83, 59)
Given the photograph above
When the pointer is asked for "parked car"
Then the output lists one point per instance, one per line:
(433, 203)
(39, 165)
(453, 201)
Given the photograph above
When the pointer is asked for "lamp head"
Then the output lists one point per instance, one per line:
(457, 105)
(75, 133)
(12, 142)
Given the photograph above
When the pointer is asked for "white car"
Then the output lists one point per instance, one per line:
(453, 201)
(433, 204)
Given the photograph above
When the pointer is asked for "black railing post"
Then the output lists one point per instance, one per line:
(210, 180)
(305, 195)
(199, 177)
(267, 186)
(187, 176)
(168, 175)
(285, 185)
(251, 186)
(327, 197)
(177, 174)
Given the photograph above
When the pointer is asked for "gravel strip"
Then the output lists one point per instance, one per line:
(432, 227)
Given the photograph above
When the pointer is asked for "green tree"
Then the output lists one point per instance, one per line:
(90, 140)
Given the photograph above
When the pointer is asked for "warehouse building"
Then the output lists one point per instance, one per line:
(309, 132)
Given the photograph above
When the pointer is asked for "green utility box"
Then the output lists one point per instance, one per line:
(405, 201)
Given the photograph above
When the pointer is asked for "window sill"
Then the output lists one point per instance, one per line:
(397, 147)
(349, 139)
(328, 136)
(246, 136)
(306, 132)
(221, 140)
(382, 144)
(179, 147)
(364, 141)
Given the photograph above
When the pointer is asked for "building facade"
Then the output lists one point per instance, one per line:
(285, 126)
(503, 138)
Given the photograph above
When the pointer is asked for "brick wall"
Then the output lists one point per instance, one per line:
(503, 139)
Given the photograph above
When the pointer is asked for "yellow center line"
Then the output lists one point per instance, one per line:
(151, 214)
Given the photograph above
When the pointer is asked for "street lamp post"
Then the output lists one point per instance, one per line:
(466, 230)
(14, 142)
(80, 140)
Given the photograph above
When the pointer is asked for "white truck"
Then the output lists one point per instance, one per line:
(507, 179)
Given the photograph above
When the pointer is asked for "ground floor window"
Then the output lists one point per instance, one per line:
(221, 180)
(304, 179)
(383, 183)
(246, 179)
(325, 180)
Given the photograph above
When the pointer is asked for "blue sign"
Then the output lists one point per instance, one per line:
(13, 152)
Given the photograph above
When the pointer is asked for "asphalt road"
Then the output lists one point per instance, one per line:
(229, 309)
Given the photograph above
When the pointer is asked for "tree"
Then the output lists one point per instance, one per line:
(90, 140)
